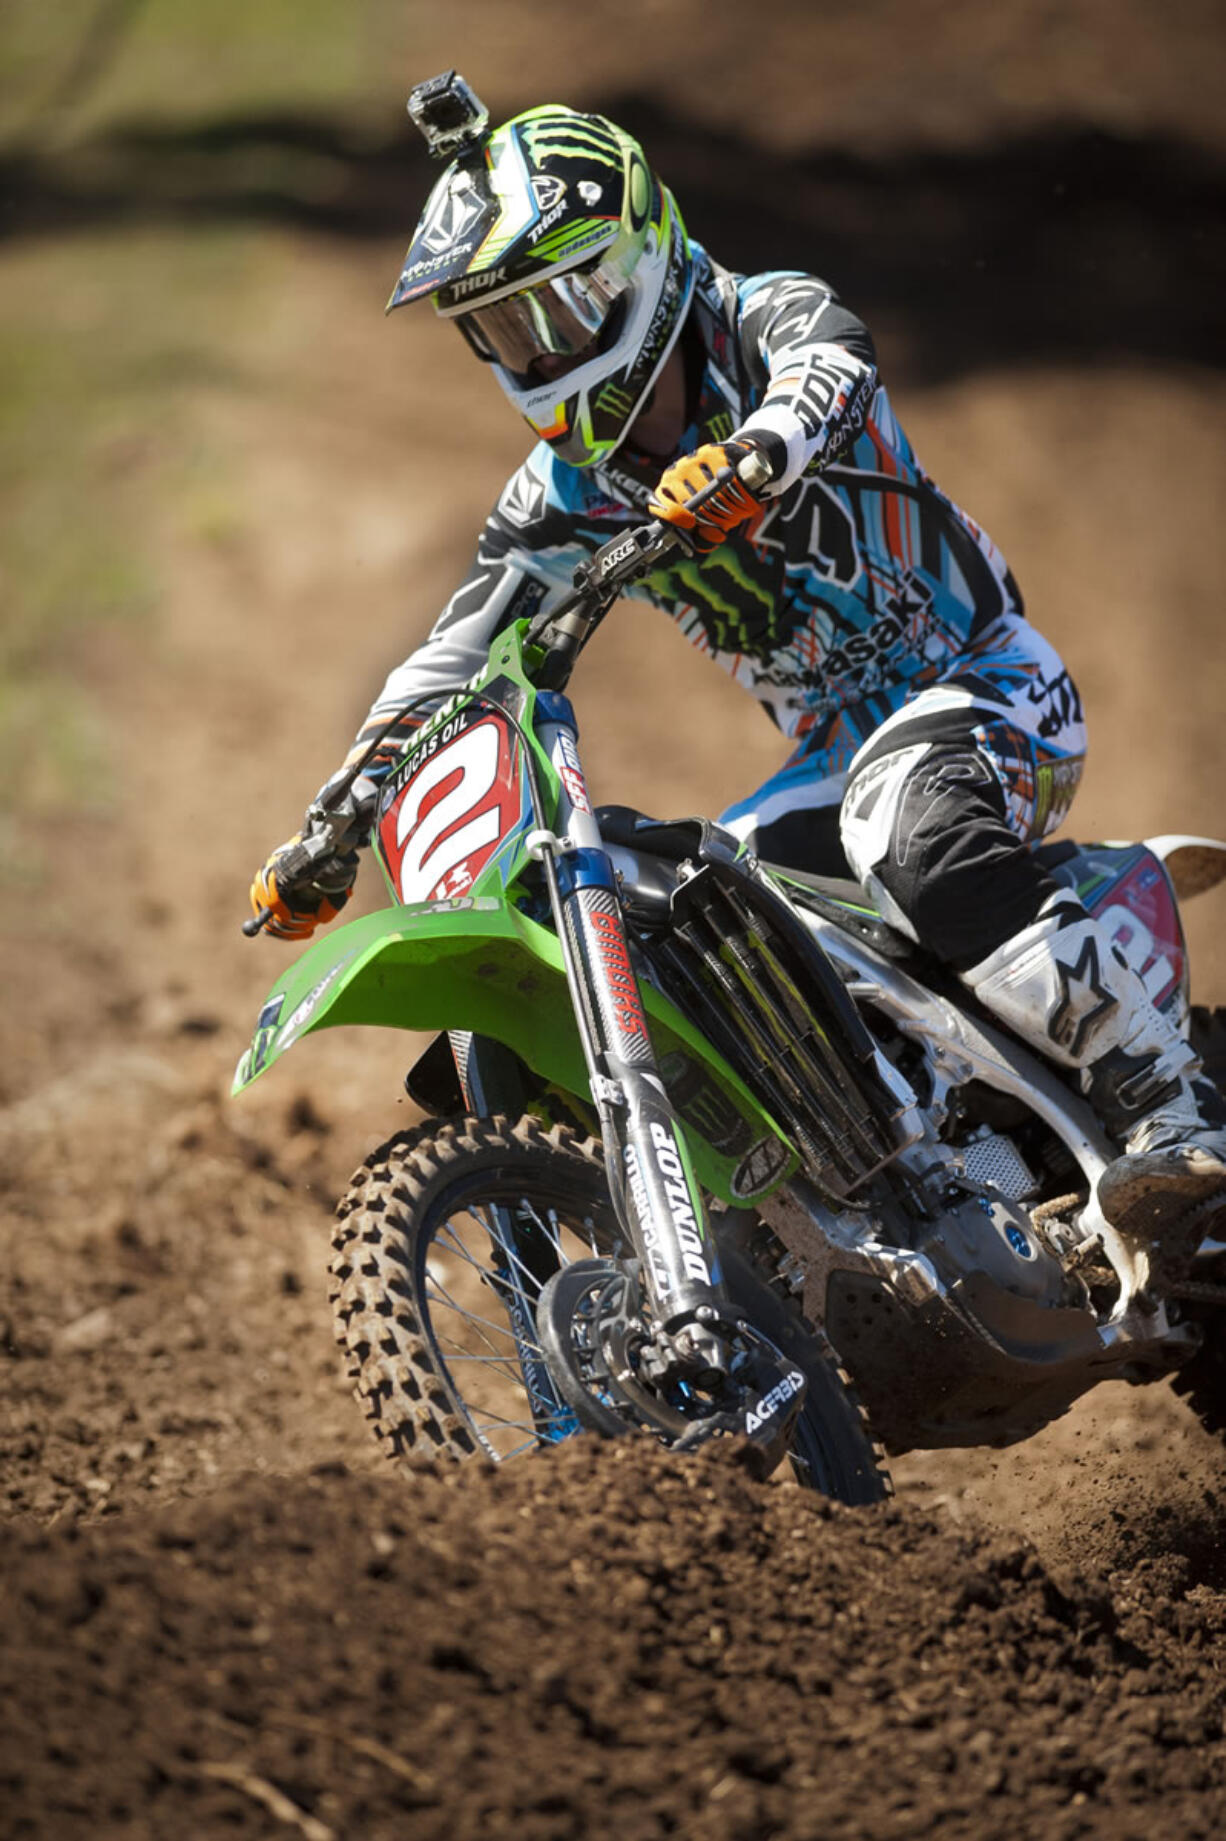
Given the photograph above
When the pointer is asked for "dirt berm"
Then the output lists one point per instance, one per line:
(602, 1641)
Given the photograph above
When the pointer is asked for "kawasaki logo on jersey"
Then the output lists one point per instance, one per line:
(899, 618)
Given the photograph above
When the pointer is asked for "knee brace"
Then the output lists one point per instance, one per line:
(925, 827)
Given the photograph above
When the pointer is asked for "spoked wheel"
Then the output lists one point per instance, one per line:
(444, 1244)
(442, 1248)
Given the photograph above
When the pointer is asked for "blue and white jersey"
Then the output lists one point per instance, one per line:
(857, 582)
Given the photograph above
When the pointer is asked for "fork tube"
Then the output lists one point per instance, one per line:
(651, 1179)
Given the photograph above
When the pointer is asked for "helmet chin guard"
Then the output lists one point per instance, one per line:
(557, 221)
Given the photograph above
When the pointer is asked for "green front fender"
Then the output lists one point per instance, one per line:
(478, 965)
(481, 965)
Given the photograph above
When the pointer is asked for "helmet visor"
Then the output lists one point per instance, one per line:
(560, 318)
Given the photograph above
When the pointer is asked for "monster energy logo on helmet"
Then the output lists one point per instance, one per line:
(566, 265)
(614, 399)
(585, 137)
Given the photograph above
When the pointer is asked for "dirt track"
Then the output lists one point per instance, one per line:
(212, 1592)
(603, 1641)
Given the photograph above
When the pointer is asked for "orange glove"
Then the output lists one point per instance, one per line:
(733, 504)
(303, 892)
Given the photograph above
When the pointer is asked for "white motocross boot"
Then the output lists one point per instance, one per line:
(1061, 986)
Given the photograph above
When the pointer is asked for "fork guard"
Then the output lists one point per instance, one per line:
(479, 964)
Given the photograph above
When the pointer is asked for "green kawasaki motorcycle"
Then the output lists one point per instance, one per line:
(712, 1150)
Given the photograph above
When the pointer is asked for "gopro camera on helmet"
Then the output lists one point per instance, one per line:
(452, 116)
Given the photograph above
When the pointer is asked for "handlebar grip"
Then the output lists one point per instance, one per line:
(295, 863)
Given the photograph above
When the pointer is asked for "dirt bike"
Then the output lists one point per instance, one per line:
(712, 1149)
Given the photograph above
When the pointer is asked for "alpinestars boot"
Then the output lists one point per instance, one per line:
(1064, 989)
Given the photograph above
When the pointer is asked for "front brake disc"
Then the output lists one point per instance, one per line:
(586, 1323)
(593, 1339)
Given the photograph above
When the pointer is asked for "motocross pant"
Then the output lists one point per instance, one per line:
(935, 809)
(938, 811)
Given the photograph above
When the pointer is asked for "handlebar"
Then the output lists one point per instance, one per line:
(330, 832)
(562, 633)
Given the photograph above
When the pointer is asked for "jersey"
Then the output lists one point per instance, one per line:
(857, 579)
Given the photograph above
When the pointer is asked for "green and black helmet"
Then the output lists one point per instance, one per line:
(565, 264)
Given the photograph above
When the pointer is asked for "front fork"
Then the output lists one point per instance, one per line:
(651, 1179)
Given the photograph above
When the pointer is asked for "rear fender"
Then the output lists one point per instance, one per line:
(476, 963)
(1130, 891)
(1193, 864)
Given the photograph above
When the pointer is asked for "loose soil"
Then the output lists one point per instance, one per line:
(222, 1615)
(605, 1640)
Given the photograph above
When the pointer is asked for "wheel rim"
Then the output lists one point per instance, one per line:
(482, 1265)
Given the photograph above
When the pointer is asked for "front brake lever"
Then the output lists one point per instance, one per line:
(565, 629)
(629, 555)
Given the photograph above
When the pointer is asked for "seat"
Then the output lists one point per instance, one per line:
(836, 898)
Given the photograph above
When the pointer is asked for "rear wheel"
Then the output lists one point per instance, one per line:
(1202, 1381)
(443, 1245)
(1207, 1030)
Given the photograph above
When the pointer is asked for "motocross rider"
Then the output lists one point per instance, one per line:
(935, 736)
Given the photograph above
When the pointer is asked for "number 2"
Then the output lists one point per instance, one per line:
(475, 756)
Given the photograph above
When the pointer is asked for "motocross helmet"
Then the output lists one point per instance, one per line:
(565, 264)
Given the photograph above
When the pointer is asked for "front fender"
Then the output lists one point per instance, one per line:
(478, 964)
(467, 964)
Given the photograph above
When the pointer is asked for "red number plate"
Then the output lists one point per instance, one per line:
(459, 798)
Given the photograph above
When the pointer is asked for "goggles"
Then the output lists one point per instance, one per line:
(559, 318)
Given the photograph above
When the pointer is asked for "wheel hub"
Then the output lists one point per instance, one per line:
(618, 1373)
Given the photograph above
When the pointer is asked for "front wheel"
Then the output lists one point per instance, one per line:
(443, 1245)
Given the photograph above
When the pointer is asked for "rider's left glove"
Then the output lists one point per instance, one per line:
(732, 505)
(302, 895)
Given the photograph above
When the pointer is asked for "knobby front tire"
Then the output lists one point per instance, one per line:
(435, 1299)
(436, 1319)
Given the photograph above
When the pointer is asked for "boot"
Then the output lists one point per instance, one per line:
(1064, 989)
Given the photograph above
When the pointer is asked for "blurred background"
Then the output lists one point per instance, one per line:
(232, 495)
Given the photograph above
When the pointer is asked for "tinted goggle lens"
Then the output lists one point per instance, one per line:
(559, 318)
